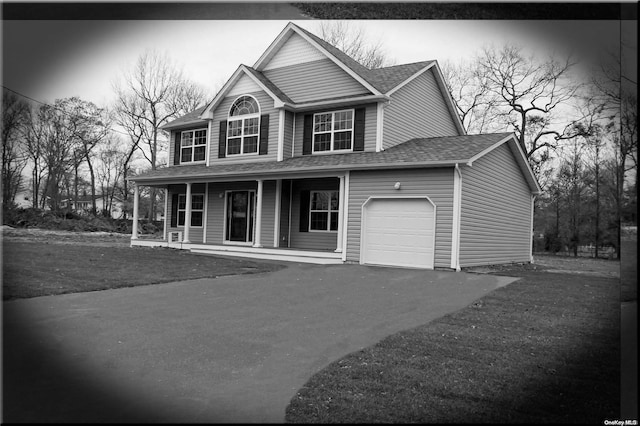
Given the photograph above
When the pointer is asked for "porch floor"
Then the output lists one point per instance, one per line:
(285, 254)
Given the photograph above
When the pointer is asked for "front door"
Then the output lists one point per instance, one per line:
(240, 208)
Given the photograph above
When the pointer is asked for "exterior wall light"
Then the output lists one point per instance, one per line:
(397, 186)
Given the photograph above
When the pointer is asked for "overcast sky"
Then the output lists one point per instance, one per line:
(47, 60)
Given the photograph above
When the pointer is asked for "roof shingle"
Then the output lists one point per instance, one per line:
(426, 152)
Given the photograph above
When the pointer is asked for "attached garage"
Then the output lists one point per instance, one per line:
(398, 232)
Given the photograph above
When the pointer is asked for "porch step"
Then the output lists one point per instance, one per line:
(317, 257)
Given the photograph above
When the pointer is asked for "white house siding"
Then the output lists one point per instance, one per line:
(195, 232)
(216, 213)
(289, 118)
(315, 80)
(495, 220)
(222, 113)
(403, 120)
(295, 50)
(268, 212)
(437, 184)
(244, 84)
(311, 240)
(370, 119)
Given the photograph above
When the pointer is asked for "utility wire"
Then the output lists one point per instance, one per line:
(52, 106)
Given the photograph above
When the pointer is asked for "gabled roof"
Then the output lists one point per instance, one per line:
(341, 59)
(422, 152)
(380, 81)
(265, 84)
(186, 120)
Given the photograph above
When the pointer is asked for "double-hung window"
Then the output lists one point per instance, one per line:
(197, 209)
(323, 210)
(193, 146)
(243, 127)
(333, 131)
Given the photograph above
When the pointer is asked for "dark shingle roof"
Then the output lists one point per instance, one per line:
(270, 85)
(189, 118)
(423, 152)
(383, 79)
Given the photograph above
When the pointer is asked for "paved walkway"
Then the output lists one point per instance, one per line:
(231, 349)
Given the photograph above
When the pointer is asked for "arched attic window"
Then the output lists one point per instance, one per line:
(243, 128)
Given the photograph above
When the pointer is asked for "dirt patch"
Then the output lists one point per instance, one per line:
(48, 236)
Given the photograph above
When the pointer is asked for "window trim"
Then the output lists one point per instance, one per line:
(333, 131)
(178, 210)
(193, 145)
(329, 211)
(242, 119)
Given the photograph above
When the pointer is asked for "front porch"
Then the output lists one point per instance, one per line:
(293, 219)
(284, 254)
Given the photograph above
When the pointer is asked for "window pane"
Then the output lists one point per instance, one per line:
(196, 218)
(187, 139)
(318, 221)
(200, 137)
(343, 121)
(251, 126)
(182, 202)
(335, 201)
(322, 142)
(199, 153)
(185, 156)
(233, 146)
(334, 221)
(181, 218)
(342, 140)
(322, 123)
(320, 201)
(251, 144)
(197, 202)
(234, 128)
(244, 105)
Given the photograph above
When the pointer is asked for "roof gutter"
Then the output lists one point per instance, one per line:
(207, 176)
(171, 126)
(297, 107)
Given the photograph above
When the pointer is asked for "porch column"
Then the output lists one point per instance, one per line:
(187, 215)
(340, 215)
(134, 227)
(166, 209)
(258, 228)
(276, 225)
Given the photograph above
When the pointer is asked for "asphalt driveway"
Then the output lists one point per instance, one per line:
(230, 349)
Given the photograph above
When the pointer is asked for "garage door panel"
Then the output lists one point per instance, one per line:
(399, 232)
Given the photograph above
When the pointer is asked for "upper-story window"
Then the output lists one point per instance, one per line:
(243, 127)
(333, 131)
(193, 146)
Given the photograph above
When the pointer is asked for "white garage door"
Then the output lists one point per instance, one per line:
(398, 232)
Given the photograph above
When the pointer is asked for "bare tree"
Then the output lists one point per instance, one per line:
(15, 114)
(153, 92)
(531, 93)
(469, 88)
(352, 40)
(92, 126)
(111, 169)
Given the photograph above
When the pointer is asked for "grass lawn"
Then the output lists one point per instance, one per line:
(544, 349)
(42, 268)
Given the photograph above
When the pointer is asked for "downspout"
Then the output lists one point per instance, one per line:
(455, 231)
(533, 202)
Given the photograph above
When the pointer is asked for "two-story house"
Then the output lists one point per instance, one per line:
(309, 156)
